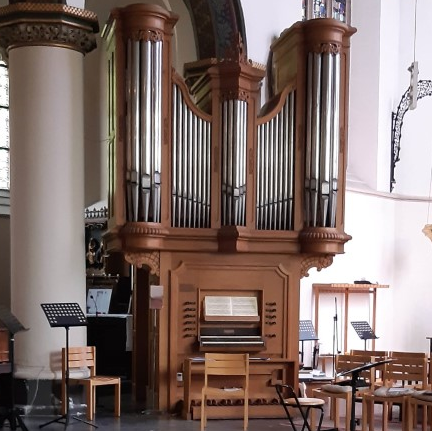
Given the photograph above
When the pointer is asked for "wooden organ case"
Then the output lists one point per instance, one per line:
(215, 196)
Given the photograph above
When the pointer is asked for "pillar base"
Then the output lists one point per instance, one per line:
(40, 397)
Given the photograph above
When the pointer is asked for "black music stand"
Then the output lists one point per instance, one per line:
(306, 333)
(355, 374)
(65, 315)
(364, 331)
(13, 326)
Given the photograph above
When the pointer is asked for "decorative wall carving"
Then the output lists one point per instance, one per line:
(151, 259)
(318, 262)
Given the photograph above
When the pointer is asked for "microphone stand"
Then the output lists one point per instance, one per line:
(335, 339)
(95, 304)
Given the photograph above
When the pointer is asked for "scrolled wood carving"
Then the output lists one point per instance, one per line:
(318, 262)
(150, 259)
(147, 35)
(327, 48)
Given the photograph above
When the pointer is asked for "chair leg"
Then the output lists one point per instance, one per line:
(63, 397)
(312, 420)
(335, 404)
(117, 399)
(90, 401)
(425, 409)
(246, 415)
(411, 414)
(348, 413)
(364, 414)
(385, 415)
(203, 420)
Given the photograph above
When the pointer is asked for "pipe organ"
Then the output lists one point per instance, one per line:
(214, 196)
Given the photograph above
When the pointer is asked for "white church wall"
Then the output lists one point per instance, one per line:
(369, 255)
(364, 87)
(412, 321)
(412, 172)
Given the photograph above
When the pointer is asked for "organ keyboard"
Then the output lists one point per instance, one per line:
(231, 323)
(231, 340)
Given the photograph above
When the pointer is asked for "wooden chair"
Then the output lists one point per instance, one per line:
(378, 355)
(304, 405)
(225, 364)
(84, 358)
(421, 399)
(338, 391)
(407, 371)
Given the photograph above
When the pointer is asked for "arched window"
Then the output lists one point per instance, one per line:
(337, 9)
(4, 127)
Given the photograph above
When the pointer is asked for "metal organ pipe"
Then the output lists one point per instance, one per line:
(322, 138)
(143, 129)
(190, 165)
(234, 126)
(275, 169)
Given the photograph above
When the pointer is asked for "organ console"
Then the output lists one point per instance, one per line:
(231, 322)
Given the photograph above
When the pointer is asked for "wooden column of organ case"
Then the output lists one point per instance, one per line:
(217, 197)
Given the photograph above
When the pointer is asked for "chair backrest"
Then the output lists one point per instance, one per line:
(227, 364)
(377, 355)
(407, 368)
(80, 357)
(347, 362)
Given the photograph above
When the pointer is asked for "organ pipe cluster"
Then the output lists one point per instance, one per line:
(191, 146)
(234, 129)
(275, 169)
(322, 138)
(143, 130)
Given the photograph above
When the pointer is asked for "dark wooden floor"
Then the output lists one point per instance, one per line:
(132, 420)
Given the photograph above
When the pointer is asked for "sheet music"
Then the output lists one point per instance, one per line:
(231, 306)
(244, 306)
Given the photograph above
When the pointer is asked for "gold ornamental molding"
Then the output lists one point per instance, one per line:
(318, 262)
(150, 259)
(44, 24)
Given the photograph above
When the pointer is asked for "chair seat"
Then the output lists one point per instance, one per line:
(304, 401)
(103, 380)
(336, 389)
(422, 395)
(224, 393)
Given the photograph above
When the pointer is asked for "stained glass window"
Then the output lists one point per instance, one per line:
(336, 9)
(4, 127)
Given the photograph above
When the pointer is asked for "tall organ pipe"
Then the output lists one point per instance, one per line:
(234, 126)
(143, 129)
(190, 165)
(275, 169)
(322, 138)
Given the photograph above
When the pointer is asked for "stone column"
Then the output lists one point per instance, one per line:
(45, 46)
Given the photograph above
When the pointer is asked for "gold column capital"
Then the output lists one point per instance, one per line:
(45, 24)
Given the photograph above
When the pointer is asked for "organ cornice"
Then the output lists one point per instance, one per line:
(37, 24)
